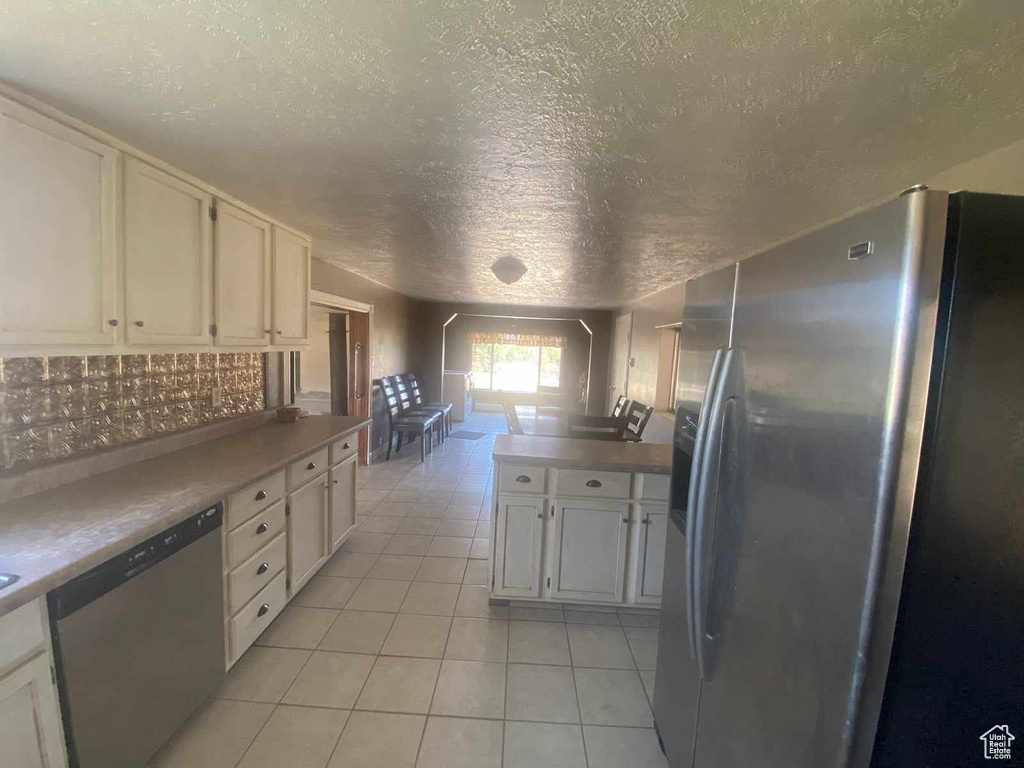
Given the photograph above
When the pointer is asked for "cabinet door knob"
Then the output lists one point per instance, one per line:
(625, 521)
(112, 322)
(267, 330)
(261, 528)
(139, 323)
(593, 483)
(311, 465)
(261, 495)
(335, 482)
(263, 609)
(345, 446)
(264, 567)
(540, 515)
(523, 479)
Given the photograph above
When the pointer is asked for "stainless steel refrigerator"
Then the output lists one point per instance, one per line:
(844, 575)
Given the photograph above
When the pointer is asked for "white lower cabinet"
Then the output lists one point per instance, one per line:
(588, 558)
(518, 542)
(577, 535)
(343, 501)
(279, 531)
(308, 537)
(31, 735)
(650, 564)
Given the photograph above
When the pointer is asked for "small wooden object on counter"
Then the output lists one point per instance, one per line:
(288, 414)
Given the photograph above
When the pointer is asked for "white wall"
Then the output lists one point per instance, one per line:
(1000, 171)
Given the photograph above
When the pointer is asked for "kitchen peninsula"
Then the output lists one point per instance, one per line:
(579, 521)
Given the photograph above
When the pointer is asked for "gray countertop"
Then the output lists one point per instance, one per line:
(568, 453)
(54, 536)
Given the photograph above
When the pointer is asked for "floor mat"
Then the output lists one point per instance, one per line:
(464, 435)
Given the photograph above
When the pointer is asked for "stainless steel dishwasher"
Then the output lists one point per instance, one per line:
(139, 643)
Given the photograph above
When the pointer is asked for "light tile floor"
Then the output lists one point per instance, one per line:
(392, 657)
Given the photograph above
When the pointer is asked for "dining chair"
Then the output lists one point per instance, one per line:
(408, 409)
(399, 423)
(417, 400)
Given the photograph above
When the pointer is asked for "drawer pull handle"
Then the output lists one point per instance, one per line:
(345, 447)
(264, 567)
(261, 528)
(524, 479)
(311, 465)
(261, 496)
(263, 609)
(593, 483)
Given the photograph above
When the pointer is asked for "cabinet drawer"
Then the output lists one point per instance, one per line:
(582, 482)
(256, 572)
(654, 487)
(21, 633)
(306, 468)
(254, 498)
(248, 623)
(515, 479)
(254, 533)
(344, 448)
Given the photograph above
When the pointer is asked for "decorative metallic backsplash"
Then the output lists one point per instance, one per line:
(55, 407)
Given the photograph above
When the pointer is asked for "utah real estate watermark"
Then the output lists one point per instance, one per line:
(997, 742)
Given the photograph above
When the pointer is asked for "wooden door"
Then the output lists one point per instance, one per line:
(343, 501)
(651, 554)
(167, 258)
(58, 239)
(241, 277)
(619, 384)
(519, 528)
(291, 289)
(30, 730)
(589, 557)
(308, 534)
(359, 375)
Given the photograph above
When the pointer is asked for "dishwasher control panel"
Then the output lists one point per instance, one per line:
(69, 597)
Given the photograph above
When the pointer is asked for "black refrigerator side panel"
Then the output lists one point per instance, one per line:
(957, 664)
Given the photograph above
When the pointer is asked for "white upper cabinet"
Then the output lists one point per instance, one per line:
(241, 277)
(58, 243)
(291, 289)
(167, 258)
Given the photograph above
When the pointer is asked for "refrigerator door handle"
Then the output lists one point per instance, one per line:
(728, 399)
(692, 494)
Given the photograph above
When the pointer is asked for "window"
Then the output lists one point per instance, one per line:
(668, 366)
(506, 366)
(482, 365)
(551, 366)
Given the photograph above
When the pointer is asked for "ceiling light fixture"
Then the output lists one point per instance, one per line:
(508, 269)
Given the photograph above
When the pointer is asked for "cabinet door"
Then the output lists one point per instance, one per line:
(30, 730)
(291, 288)
(589, 557)
(167, 258)
(651, 554)
(517, 547)
(58, 250)
(343, 501)
(241, 277)
(308, 545)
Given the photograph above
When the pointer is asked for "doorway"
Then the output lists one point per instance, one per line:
(332, 375)
(620, 359)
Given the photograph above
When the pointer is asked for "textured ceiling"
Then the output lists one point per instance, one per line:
(615, 147)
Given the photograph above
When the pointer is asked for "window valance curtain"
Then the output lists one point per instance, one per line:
(517, 339)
